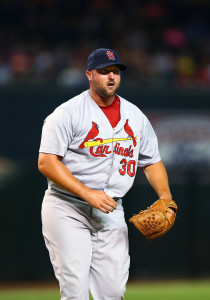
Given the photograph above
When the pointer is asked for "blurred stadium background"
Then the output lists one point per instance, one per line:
(44, 45)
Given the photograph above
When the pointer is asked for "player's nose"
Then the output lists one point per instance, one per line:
(111, 75)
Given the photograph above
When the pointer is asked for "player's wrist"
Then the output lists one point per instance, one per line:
(84, 193)
(166, 196)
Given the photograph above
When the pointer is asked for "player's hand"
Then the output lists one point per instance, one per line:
(101, 201)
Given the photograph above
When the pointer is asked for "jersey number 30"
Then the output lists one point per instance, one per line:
(128, 166)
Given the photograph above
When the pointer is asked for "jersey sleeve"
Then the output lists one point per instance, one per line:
(56, 133)
(148, 152)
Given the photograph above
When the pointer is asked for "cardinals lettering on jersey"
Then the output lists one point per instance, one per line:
(101, 150)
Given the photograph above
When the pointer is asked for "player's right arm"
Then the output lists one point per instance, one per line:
(51, 166)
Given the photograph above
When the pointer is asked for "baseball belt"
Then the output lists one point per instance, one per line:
(75, 197)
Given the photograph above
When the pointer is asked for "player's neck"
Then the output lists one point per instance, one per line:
(100, 100)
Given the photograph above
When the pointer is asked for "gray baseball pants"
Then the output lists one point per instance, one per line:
(88, 249)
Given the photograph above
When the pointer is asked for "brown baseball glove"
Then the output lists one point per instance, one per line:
(157, 219)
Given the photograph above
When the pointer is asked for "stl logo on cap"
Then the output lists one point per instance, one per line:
(110, 55)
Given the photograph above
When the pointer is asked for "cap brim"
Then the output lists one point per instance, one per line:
(121, 66)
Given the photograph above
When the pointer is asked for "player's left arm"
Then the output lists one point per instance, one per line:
(157, 176)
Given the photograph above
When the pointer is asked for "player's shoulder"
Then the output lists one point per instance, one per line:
(67, 109)
(72, 106)
(73, 103)
(131, 107)
(133, 112)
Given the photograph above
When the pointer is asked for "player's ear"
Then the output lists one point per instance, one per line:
(89, 74)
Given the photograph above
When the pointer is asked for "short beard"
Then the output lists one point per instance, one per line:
(104, 93)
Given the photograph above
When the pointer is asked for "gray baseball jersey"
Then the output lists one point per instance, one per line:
(99, 156)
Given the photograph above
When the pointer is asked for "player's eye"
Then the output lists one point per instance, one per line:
(103, 72)
(116, 71)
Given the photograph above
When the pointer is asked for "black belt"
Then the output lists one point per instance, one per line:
(78, 198)
(116, 198)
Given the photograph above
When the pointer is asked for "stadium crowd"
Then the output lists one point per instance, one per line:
(162, 42)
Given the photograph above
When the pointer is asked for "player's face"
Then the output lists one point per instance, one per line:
(105, 81)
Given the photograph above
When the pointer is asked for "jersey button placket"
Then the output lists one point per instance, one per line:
(113, 157)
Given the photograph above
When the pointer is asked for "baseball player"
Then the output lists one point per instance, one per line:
(90, 149)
